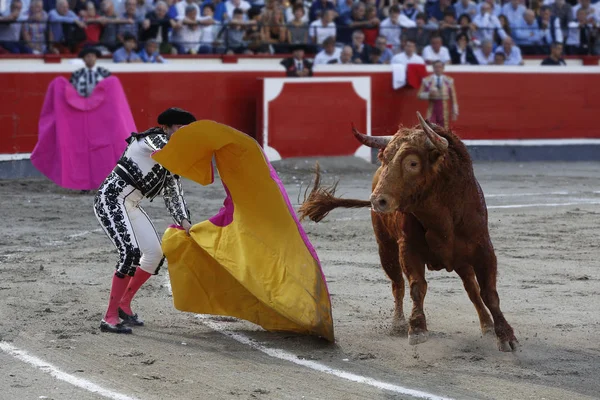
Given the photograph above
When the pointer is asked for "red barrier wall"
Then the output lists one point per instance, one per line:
(493, 105)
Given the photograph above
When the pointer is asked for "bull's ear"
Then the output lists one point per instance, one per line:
(434, 156)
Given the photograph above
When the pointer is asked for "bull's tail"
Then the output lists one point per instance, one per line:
(321, 200)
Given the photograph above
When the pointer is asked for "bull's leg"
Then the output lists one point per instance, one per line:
(467, 275)
(414, 269)
(486, 271)
(390, 261)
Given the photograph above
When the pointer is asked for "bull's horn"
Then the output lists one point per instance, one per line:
(438, 141)
(378, 142)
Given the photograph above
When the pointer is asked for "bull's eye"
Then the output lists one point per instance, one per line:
(412, 163)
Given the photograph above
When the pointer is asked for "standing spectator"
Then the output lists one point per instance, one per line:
(391, 27)
(157, 25)
(411, 10)
(435, 51)
(448, 29)
(329, 52)
(93, 23)
(85, 79)
(439, 90)
(111, 23)
(318, 6)
(461, 53)
(10, 33)
(409, 56)
(34, 31)
(386, 53)
(182, 5)
(63, 20)
(232, 5)
(220, 10)
(487, 24)
(555, 57)
(290, 11)
(187, 33)
(127, 52)
(371, 31)
(506, 27)
(360, 50)
(150, 54)
(439, 10)
(494, 8)
(485, 54)
(590, 12)
(581, 34)
(297, 65)
(513, 10)
(563, 11)
(421, 34)
(322, 28)
(350, 22)
(550, 26)
(528, 35)
(512, 53)
(466, 27)
(210, 29)
(235, 31)
(132, 25)
(274, 31)
(345, 6)
(298, 29)
(465, 7)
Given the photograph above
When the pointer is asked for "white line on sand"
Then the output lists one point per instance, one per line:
(286, 356)
(60, 375)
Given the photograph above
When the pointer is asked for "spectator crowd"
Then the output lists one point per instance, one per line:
(339, 31)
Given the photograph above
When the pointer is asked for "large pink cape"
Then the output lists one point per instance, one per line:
(80, 139)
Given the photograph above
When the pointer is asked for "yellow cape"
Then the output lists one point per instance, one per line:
(253, 260)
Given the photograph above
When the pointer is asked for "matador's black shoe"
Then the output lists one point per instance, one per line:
(118, 328)
(131, 320)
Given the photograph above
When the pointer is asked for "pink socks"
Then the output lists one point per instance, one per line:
(119, 285)
(140, 277)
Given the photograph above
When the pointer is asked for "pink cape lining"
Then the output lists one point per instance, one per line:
(80, 139)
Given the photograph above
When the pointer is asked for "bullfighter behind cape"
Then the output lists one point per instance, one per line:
(439, 90)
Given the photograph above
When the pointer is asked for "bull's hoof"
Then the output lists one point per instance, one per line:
(507, 345)
(417, 337)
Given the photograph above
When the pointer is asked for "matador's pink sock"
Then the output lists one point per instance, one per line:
(136, 283)
(119, 285)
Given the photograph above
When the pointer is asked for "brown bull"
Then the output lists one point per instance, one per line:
(427, 208)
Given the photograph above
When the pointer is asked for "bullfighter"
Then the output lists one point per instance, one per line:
(440, 91)
(117, 208)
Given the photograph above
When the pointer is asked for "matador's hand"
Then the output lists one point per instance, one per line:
(187, 225)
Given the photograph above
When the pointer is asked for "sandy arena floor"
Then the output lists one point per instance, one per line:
(56, 266)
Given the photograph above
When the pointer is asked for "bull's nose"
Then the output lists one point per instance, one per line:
(380, 203)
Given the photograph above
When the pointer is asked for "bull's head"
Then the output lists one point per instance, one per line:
(409, 162)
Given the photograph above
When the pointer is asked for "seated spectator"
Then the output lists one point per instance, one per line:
(409, 56)
(581, 35)
(356, 19)
(157, 25)
(528, 35)
(220, 10)
(346, 56)
(253, 34)
(436, 52)
(440, 8)
(506, 27)
(187, 33)
(80, 7)
(66, 28)
(232, 5)
(318, 6)
(150, 54)
(93, 22)
(499, 59)
(512, 53)
(329, 52)
(235, 32)
(290, 11)
(391, 27)
(85, 79)
(386, 53)
(297, 29)
(322, 28)
(297, 65)
(344, 7)
(132, 25)
(34, 31)
(487, 24)
(563, 11)
(274, 32)
(590, 11)
(550, 26)
(461, 53)
(10, 33)
(448, 29)
(110, 22)
(127, 52)
(371, 31)
(467, 7)
(360, 50)
(485, 54)
(421, 34)
(513, 11)
(495, 9)
(466, 27)
(375, 56)
(555, 57)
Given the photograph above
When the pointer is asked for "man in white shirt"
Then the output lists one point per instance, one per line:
(329, 54)
(180, 7)
(436, 52)
(513, 11)
(485, 55)
(322, 28)
(391, 27)
(487, 24)
(409, 56)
